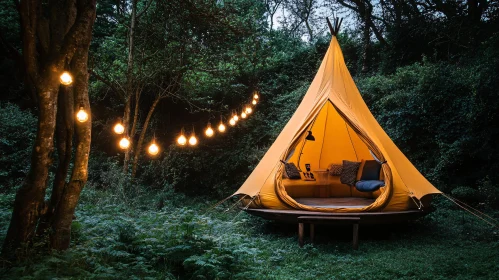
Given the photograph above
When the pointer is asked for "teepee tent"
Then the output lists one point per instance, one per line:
(334, 112)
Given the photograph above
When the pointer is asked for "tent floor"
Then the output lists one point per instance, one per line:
(335, 202)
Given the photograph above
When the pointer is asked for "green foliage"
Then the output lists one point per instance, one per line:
(444, 118)
(114, 240)
(17, 132)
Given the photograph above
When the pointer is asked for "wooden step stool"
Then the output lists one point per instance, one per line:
(312, 220)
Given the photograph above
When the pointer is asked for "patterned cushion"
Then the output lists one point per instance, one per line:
(349, 172)
(284, 174)
(292, 171)
(335, 169)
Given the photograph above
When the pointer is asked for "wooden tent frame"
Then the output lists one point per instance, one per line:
(334, 29)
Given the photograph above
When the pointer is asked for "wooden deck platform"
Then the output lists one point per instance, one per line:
(336, 202)
(291, 216)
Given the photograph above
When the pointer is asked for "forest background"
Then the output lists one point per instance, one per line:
(428, 70)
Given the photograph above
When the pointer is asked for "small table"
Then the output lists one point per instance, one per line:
(322, 186)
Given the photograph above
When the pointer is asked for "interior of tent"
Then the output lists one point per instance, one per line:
(325, 145)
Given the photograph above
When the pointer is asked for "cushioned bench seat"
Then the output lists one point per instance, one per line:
(302, 188)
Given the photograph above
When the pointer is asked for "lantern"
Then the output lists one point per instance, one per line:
(232, 122)
(209, 131)
(221, 127)
(119, 128)
(248, 110)
(153, 149)
(82, 115)
(66, 78)
(124, 143)
(253, 102)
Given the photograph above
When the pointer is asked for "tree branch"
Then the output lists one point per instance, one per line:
(145, 9)
(84, 19)
(29, 15)
(113, 87)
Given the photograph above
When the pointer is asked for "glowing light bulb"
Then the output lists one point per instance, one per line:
(256, 96)
(209, 131)
(124, 143)
(243, 115)
(253, 102)
(232, 122)
(153, 149)
(249, 110)
(82, 115)
(66, 78)
(235, 117)
(193, 140)
(181, 140)
(119, 128)
(221, 127)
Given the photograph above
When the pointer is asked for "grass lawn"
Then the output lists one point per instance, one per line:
(113, 239)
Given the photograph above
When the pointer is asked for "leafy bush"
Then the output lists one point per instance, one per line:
(183, 241)
(17, 132)
(444, 118)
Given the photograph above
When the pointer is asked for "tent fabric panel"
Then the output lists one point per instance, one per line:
(334, 83)
(257, 178)
(348, 99)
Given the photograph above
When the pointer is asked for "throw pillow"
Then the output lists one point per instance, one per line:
(349, 172)
(371, 170)
(335, 169)
(369, 186)
(292, 171)
(285, 174)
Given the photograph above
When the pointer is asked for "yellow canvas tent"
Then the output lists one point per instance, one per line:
(344, 129)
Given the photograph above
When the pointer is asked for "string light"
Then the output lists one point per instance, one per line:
(193, 140)
(124, 143)
(221, 127)
(181, 140)
(209, 131)
(66, 78)
(82, 115)
(119, 128)
(153, 148)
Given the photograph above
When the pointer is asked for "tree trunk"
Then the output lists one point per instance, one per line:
(136, 111)
(129, 83)
(64, 143)
(365, 15)
(51, 35)
(126, 124)
(138, 148)
(63, 216)
(29, 204)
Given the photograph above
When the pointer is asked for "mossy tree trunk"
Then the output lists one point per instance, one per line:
(55, 34)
